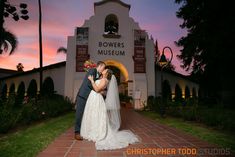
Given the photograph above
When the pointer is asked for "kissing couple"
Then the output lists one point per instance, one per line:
(98, 119)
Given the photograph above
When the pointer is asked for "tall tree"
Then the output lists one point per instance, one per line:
(207, 49)
(7, 39)
(40, 44)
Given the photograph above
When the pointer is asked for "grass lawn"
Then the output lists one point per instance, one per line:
(220, 138)
(30, 141)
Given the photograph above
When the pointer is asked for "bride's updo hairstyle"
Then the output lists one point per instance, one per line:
(109, 74)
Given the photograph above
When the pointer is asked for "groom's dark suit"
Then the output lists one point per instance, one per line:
(82, 96)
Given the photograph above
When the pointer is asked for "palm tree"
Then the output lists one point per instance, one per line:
(1, 24)
(40, 44)
(62, 50)
(7, 41)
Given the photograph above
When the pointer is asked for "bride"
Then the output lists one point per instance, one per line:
(101, 119)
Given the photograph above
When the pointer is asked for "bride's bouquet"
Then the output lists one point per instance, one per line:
(88, 65)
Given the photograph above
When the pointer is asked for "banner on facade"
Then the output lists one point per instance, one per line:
(82, 34)
(139, 51)
(139, 36)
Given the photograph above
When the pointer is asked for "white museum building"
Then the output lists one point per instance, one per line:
(112, 36)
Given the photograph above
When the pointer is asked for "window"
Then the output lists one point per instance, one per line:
(111, 24)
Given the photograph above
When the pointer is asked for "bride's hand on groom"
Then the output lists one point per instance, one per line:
(91, 78)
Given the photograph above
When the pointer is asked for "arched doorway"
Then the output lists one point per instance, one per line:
(32, 89)
(20, 94)
(121, 74)
(111, 24)
(194, 93)
(21, 90)
(187, 92)
(178, 93)
(3, 94)
(12, 89)
(48, 86)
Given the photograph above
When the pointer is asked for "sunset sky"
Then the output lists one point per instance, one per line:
(60, 17)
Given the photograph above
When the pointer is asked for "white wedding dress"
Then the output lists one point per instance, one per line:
(97, 125)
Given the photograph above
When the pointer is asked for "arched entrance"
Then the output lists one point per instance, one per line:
(121, 74)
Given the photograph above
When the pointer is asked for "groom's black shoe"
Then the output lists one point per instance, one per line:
(78, 137)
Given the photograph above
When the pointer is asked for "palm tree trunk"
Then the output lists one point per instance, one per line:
(1, 22)
(40, 44)
(1, 14)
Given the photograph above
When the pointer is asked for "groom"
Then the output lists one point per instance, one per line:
(83, 94)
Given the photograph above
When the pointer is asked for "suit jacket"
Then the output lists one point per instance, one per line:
(86, 86)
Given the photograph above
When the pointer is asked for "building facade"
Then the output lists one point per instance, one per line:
(112, 36)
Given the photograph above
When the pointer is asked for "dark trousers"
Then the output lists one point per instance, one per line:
(80, 102)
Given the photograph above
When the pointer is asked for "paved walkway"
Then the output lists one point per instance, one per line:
(157, 140)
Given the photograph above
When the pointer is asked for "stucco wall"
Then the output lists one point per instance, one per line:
(57, 75)
(141, 81)
(173, 80)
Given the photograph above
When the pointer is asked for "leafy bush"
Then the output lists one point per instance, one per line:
(12, 90)
(189, 113)
(48, 87)
(214, 116)
(45, 107)
(20, 95)
(155, 104)
(9, 116)
(150, 103)
(217, 117)
(124, 98)
(3, 93)
(8, 119)
(31, 111)
(178, 93)
(55, 105)
(175, 110)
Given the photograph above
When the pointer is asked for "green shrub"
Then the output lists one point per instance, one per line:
(160, 106)
(45, 107)
(153, 104)
(209, 117)
(56, 105)
(124, 98)
(218, 117)
(48, 87)
(150, 103)
(8, 119)
(178, 93)
(212, 115)
(32, 89)
(9, 116)
(34, 110)
(175, 109)
(190, 109)
(189, 113)
(20, 95)
(3, 93)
